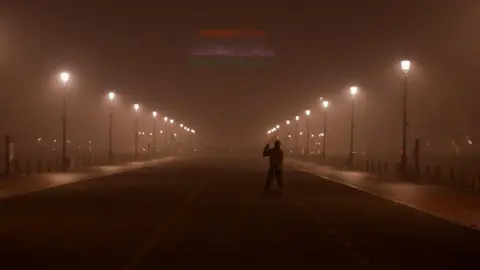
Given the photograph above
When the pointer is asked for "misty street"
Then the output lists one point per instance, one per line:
(209, 213)
(131, 135)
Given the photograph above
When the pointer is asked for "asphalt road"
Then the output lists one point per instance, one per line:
(209, 214)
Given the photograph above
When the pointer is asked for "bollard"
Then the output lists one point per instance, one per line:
(476, 184)
(437, 176)
(452, 177)
(416, 158)
(39, 166)
(84, 162)
(460, 180)
(428, 174)
(28, 167)
(17, 167)
(8, 155)
(58, 165)
(48, 166)
(367, 166)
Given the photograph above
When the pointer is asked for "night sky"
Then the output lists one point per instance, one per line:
(141, 51)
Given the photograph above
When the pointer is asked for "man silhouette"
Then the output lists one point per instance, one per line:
(275, 169)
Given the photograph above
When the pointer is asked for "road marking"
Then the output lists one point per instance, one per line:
(149, 244)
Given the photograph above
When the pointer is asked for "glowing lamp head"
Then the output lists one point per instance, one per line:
(181, 125)
(405, 64)
(193, 131)
(325, 104)
(165, 119)
(288, 122)
(111, 96)
(64, 77)
(154, 114)
(297, 118)
(278, 126)
(136, 107)
(188, 129)
(171, 121)
(307, 112)
(353, 91)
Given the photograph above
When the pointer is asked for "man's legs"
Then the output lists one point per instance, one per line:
(268, 181)
(279, 176)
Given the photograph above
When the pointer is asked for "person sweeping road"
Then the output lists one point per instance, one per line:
(275, 169)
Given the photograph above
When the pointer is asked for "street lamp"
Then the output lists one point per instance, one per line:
(136, 108)
(181, 125)
(297, 118)
(325, 104)
(287, 122)
(165, 121)
(353, 93)
(111, 97)
(307, 124)
(65, 78)
(154, 146)
(405, 65)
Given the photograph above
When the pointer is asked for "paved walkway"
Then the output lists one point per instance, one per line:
(459, 207)
(18, 185)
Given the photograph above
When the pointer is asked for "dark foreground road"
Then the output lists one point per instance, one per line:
(209, 214)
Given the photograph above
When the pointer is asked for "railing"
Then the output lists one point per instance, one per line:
(461, 176)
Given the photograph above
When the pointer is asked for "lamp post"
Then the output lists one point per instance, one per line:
(136, 108)
(405, 65)
(172, 131)
(325, 104)
(307, 123)
(297, 137)
(154, 115)
(111, 97)
(353, 93)
(287, 132)
(65, 78)
(165, 122)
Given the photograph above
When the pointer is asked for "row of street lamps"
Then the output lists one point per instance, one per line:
(405, 67)
(111, 96)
